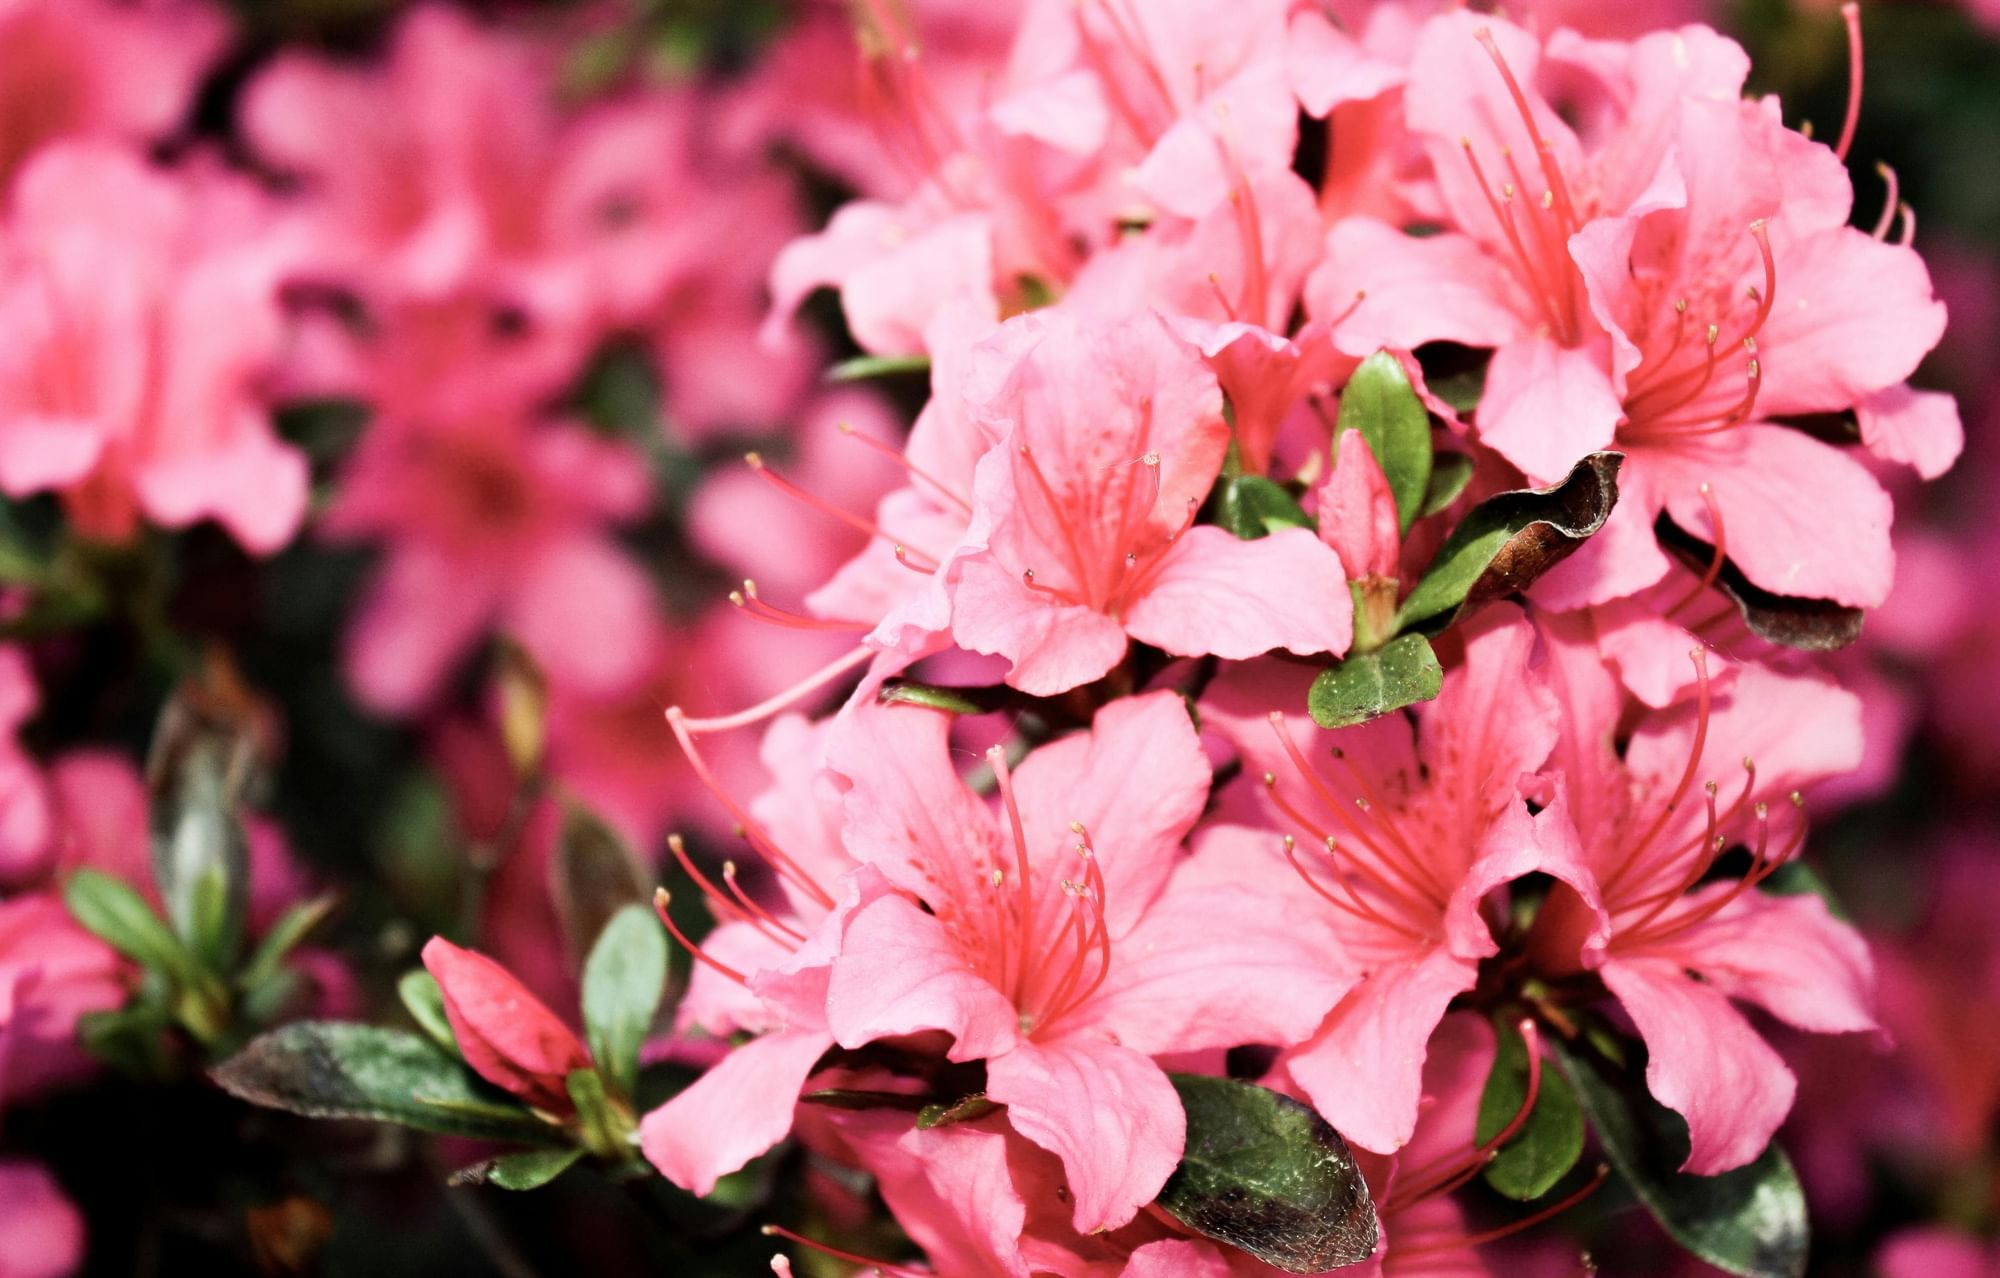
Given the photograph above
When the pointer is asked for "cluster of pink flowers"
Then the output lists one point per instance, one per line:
(1362, 615)
(1128, 282)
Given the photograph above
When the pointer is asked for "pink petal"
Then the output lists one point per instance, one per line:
(1106, 1111)
(906, 811)
(39, 452)
(1490, 723)
(1136, 781)
(734, 1112)
(1546, 405)
(421, 613)
(254, 486)
(1705, 1061)
(1852, 315)
(1802, 518)
(505, 1033)
(1364, 1070)
(901, 972)
(1788, 955)
(1357, 511)
(1213, 967)
(1175, 1258)
(958, 1190)
(1217, 594)
(1434, 288)
(1800, 729)
(1935, 1252)
(578, 585)
(43, 1228)
(1921, 429)
(1054, 646)
(1327, 66)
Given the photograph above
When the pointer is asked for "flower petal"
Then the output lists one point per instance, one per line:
(738, 1109)
(1106, 1111)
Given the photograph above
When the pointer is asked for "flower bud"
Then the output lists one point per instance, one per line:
(1357, 511)
(505, 1034)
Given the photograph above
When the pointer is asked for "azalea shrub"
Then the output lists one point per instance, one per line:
(1098, 638)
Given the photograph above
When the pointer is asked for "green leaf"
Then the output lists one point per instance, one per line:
(602, 1125)
(1366, 685)
(596, 876)
(1264, 1173)
(864, 367)
(529, 1169)
(1251, 506)
(1505, 542)
(1549, 1143)
(622, 983)
(1790, 621)
(965, 1109)
(120, 917)
(1751, 1221)
(1450, 473)
(974, 700)
(330, 1069)
(1379, 401)
(201, 862)
(128, 1039)
(292, 927)
(423, 998)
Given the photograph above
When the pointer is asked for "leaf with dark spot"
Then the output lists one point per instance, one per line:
(1265, 1173)
(330, 1069)
(1368, 685)
(1507, 541)
(1751, 1221)
(1809, 625)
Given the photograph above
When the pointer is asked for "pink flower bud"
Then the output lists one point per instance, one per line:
(1357, 512)
(505, 1033)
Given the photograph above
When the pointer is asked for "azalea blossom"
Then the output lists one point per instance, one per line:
(1673, 947)
(1055, 940)
(140, 403)
(1394, 838)
(1108, 438)
(492, 521)
(1665, 278)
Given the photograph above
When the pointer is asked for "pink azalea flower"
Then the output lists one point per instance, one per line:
(43, 1228)
(51, 973)
(1102, 107)
(1416, 834)
(1675, 950)
(1109, 438)
(763, 970)
(505, 1033)
(830, 90)
(1664, 279)
(93, 69)
(1055, 939)
(143, 306)
(492, 522)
